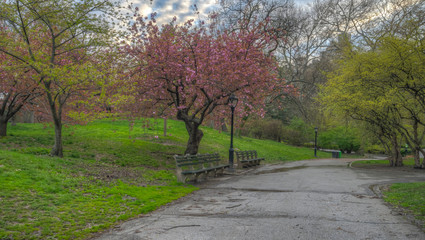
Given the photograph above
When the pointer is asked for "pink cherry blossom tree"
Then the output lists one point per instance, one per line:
(17, 89)
(190, 71)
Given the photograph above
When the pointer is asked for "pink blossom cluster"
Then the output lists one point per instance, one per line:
(190, 71)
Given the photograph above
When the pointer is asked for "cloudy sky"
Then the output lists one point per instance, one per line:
(182, 9)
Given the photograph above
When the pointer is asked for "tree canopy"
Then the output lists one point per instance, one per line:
(56, 40)
(384, 87)
(190, 71)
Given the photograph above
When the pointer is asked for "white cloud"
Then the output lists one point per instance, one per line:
(182, 9)
(167, 9)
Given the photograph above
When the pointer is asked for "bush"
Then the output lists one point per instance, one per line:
(273, 129)
(343, 138)
(298, 132)
(375, 149)
(252, 128)
(263, 129)
(293, 137)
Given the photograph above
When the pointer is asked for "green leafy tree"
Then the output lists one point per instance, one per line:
(60, 39)
(356, 90)
(404, 68)
(385, 88)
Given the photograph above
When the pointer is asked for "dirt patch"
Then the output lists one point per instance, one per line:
(106, 172)
(111, 173)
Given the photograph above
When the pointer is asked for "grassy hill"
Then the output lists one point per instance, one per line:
(112, 171)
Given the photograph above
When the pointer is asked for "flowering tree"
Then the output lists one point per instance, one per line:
(190, 71)
(16, 89)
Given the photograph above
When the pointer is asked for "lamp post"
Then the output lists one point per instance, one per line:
(233, 101)
(315, 142)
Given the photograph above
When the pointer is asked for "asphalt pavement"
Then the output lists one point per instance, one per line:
(316, 199)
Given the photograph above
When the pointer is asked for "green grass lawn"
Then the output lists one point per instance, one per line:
(44, 197)
(376, 163)
(409, 197)
(109, 174)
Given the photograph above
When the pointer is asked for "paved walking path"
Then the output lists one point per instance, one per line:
(317, 199)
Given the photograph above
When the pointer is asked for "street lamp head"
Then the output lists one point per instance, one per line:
(315, 129)
(233, 100)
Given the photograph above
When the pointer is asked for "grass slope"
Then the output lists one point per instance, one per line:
(109, 174)
(44, 197)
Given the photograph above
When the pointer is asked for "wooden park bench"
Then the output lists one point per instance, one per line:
(196, 165)
(247, 158)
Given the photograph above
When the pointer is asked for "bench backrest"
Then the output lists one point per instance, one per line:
(246, 155)
(198, 161)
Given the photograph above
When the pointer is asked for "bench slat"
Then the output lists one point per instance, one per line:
(198, 164)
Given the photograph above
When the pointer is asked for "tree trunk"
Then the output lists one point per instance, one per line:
(417, 158)
(3, 128)
(397, 160)
(417, 145)
(223, 125)
(56, 113)
(58, 147)
(195, 136)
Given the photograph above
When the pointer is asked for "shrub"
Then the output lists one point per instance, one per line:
(263, 129)
(342, 138)
(293, 137)
(272, 129)
(252, 128)
(375, 149)
(298, 132)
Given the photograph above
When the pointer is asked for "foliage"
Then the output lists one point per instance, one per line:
(293, 137)
(263, 129)
(16, 89)
(343, 138)
(374, 149)
(366, 88)
(298, 132)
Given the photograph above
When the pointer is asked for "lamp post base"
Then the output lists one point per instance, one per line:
(231, 157)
